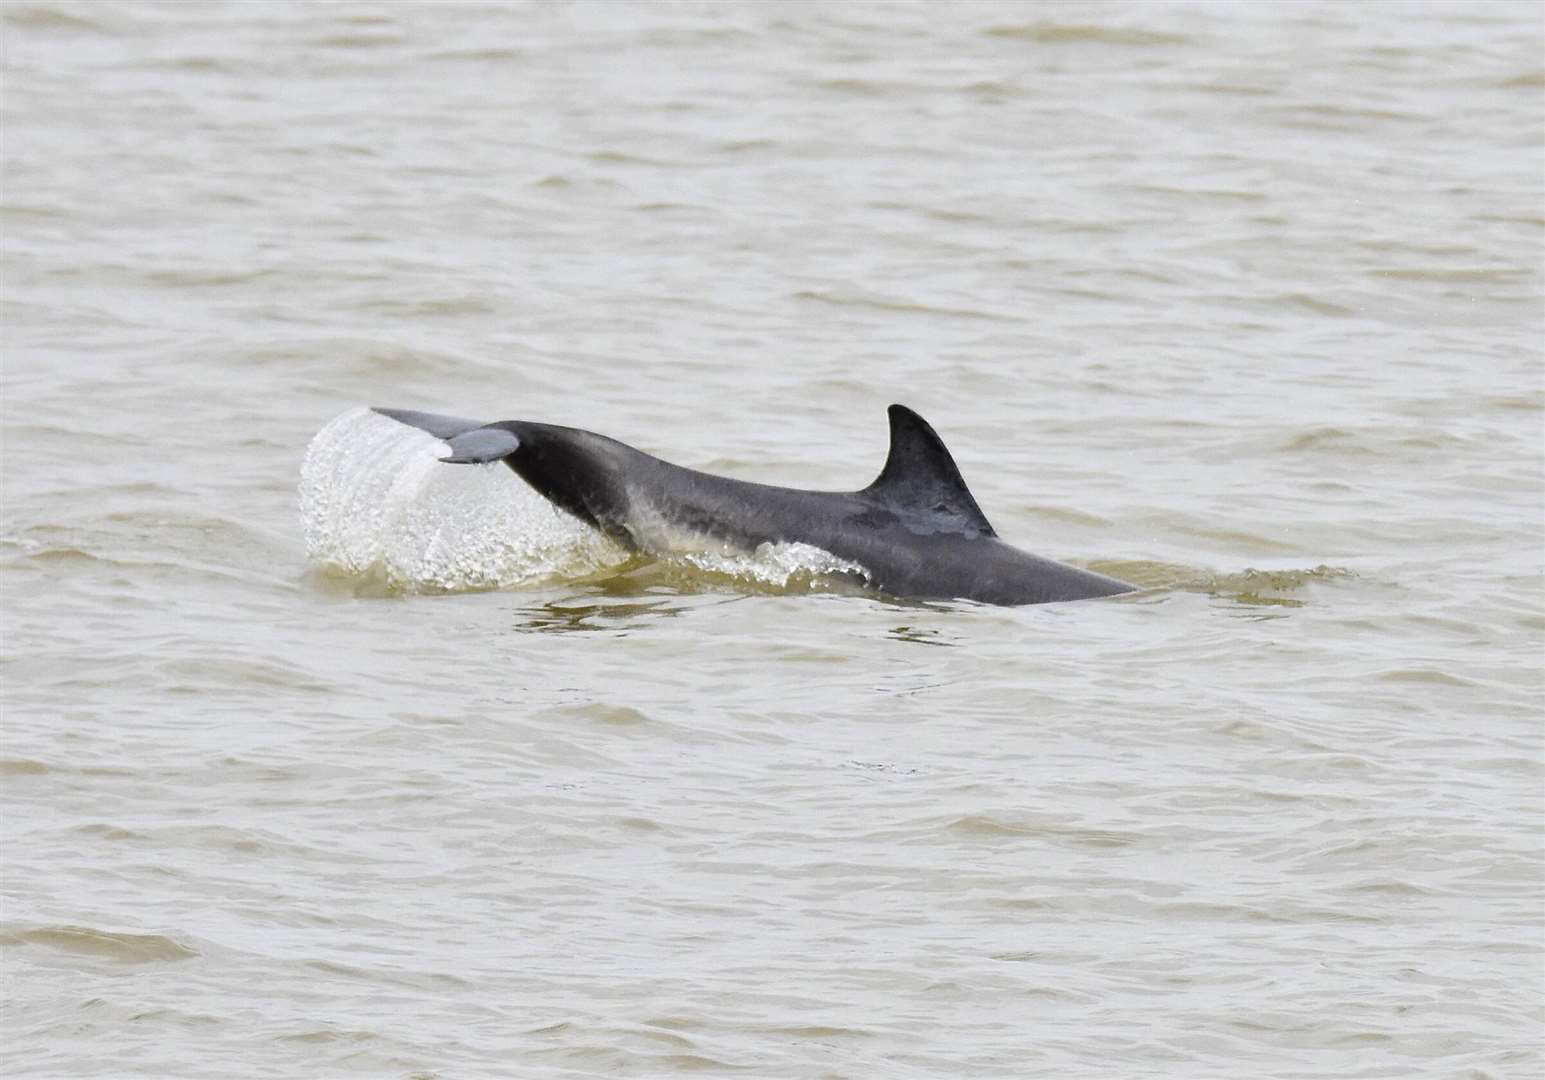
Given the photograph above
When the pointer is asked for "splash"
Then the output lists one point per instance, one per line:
(378, 506)
(784, 567)
(382, 511)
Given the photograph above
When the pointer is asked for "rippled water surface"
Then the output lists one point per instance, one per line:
(1241, 302)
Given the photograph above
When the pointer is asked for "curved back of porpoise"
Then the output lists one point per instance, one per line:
(916, 530)
(576, 469)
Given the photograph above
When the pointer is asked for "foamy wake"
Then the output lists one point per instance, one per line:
(377, 505)
(793, 566)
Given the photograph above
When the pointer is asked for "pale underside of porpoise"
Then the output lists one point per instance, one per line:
(916, 532)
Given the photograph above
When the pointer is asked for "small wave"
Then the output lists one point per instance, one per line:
(63, 555)
(1262, 588)
(868, 87)
(432, 307)
(500, 53)
(85, 940)
(1338, 112)
(47, 17)
(1474, 275)
(1425, 675)
(1246, 588)
(22, 767)
(207, 278)
(322, 1036)
(358, 41)
(1048, 33)
(860, 299)
(1314, 304)
(990, 825)
(1328, 437)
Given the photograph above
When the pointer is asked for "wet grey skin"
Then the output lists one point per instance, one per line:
(916, 531)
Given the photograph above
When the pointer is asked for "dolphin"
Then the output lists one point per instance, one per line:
(916, 532)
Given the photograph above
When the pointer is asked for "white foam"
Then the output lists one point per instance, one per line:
(782, 565)
(376, 503)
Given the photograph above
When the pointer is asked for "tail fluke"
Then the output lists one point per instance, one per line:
(482, 444)
(471, 441)
(441, 427)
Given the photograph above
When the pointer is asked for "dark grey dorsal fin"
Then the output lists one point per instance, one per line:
(921, 482)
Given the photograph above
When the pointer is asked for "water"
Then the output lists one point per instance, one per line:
(1242, 302)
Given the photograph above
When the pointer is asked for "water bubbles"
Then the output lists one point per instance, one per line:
(380, 508)
(785, 566)
(378, 505)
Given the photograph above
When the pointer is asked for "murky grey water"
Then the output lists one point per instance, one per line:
(1244, 301)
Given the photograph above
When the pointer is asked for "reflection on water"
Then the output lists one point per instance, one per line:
(920, 636)
(564, 616)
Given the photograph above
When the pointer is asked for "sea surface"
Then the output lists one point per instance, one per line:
(322, 759)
